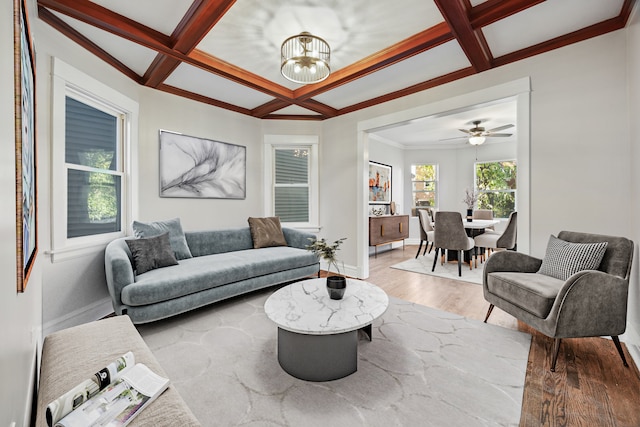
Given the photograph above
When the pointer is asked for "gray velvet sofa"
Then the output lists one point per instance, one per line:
(223, 264)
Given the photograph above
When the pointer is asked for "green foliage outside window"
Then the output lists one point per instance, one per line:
(496, 183)
(424, 182)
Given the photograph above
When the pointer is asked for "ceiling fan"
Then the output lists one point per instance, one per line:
(478, 134)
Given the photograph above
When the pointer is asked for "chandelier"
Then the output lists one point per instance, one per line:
(305, 58)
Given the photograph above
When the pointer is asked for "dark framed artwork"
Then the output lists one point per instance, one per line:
(379, 183)
(26, 188)
(192, 167)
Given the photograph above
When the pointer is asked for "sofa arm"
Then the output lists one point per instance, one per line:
(591, 303)
(118, 270)
(298, 238)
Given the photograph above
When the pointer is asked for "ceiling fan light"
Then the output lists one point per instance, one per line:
(305, 59)
(476, 140)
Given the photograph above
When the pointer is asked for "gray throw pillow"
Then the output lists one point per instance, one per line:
(266, 232)
(176, 236)
(151, 252)
(564, 259)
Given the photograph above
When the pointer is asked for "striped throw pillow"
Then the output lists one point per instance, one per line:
(563, 259)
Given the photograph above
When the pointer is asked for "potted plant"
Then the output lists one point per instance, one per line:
(336, 284)
(470, 198)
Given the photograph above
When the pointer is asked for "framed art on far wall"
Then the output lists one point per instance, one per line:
(193, 167)
(379, 183)
(25, 149)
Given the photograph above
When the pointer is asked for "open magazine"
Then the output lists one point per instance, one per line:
(119, 393)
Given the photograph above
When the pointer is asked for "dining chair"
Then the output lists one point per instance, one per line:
(483, 214)
(450, 235)
(490, 240)
(426, 231)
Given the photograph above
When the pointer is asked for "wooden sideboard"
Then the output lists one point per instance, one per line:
(386, 229)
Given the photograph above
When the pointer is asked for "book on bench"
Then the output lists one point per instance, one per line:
(112, 398)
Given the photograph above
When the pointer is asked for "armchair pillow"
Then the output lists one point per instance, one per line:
(151, 252)
(563, 259)
(266, 232)
(176, 235)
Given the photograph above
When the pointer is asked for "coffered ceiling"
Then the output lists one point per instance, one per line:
(227, 53)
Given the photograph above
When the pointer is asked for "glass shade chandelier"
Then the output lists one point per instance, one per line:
(305, 59)
(476, 140)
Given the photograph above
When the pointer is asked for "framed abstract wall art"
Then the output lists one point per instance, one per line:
(192, 167)
(25, 129)
(379, 183)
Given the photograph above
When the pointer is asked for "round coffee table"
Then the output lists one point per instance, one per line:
(318, 336)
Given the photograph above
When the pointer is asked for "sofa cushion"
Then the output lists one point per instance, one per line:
(538, 291)
(266, 232)
(564, 259)
(149, 253)
(176, 234)
(204, 272)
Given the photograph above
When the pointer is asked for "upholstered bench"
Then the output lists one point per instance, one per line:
(73, 355)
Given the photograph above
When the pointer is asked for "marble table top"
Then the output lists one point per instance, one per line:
(305, 307)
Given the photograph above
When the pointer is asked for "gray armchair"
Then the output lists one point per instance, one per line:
(426, 231)
(589, 303)
(450, 236)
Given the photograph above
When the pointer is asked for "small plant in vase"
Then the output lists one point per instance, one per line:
(336, 284)
(470, 199)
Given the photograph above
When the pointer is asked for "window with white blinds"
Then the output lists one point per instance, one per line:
(291, 188)
(291, 180)
(94, 169)
(94, 138)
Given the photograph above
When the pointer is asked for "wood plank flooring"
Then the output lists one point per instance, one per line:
(590, 387)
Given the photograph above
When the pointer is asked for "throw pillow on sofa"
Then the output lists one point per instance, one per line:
(266, 232)
(151, 252)
(176, 235)
(563, 259)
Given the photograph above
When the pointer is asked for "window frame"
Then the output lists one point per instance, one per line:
(288, 142)
(436, 182)
(480, 192)
(69, 82)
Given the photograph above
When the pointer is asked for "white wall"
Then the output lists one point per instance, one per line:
(633, 75)
(20, 314)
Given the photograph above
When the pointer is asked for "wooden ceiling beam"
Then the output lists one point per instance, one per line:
(100, 17)
(204, 99)
(494, 10)
(595, 30)
(407, 48)
(269, 107)
(51, 19)
(457, 17)
(194, 26)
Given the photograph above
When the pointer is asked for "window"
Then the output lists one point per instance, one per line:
(496, 185)
(93, 132)
(424, 184)
(93, 141)
(291, 175)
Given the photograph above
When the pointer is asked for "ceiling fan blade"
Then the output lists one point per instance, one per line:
(465, 131)
(499, 134)
(457, 137)
(503, 127)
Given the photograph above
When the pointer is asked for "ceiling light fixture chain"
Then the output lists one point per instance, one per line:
(305, 58)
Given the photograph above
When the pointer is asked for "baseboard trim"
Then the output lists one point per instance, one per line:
(631, 338)
(95, 311)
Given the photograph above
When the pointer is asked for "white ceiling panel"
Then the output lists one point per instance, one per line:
(134, 56)
(252, 31)
(161, 15)
(195, 80)
(436, 131)
(545, 21)
(296, 110)
(433, 63)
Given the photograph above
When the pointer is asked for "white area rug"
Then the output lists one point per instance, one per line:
(424, 264)
(424, 367)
